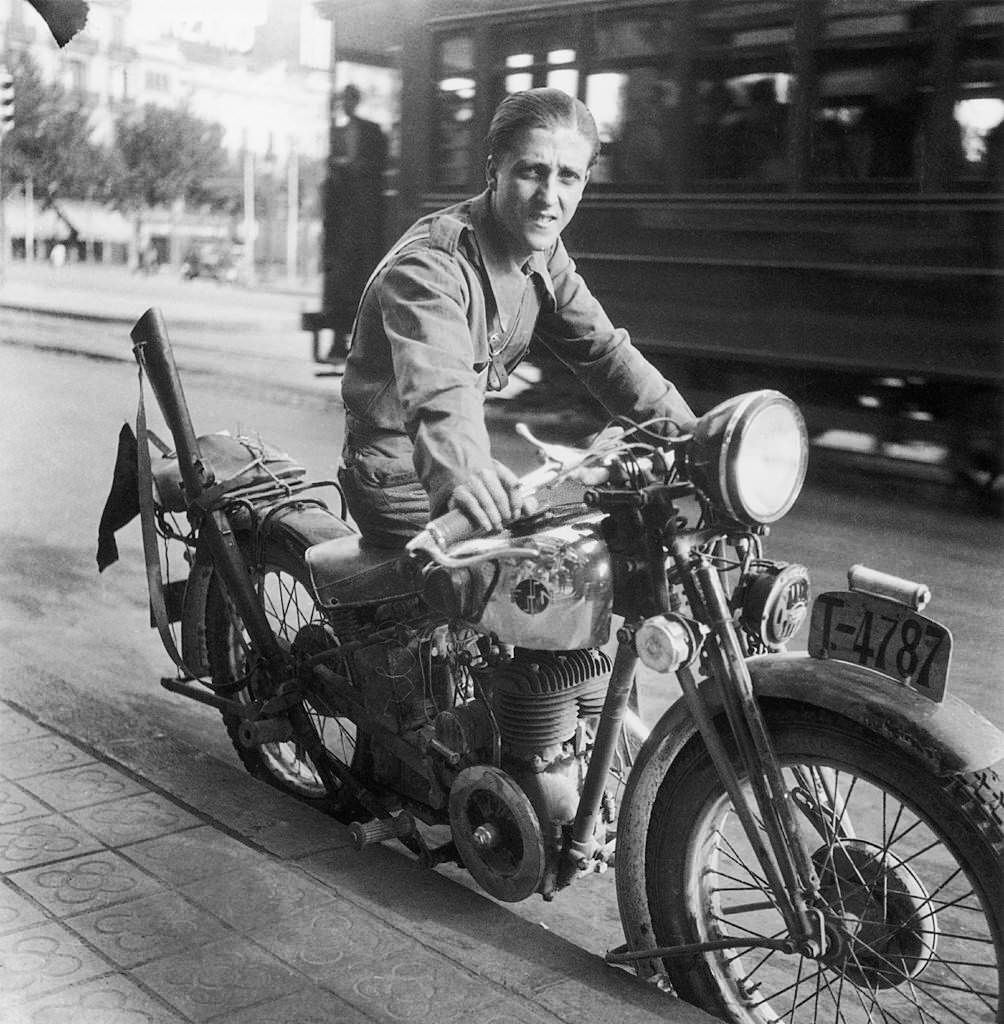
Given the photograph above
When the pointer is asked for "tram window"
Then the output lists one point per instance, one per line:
(869, 123)
(533, 56)
(454, 128)
(873, 93)
(741, 97)
(978, 106)
(566, 79)
(634, 110)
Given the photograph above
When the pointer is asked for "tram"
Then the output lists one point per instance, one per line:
(801, 194)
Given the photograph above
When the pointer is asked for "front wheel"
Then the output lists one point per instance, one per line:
(911, 884)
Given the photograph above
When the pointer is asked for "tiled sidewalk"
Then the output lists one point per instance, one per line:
(112, 908)
(122, 905)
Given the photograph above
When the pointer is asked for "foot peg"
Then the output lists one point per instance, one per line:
(264, 730)
(365, 833)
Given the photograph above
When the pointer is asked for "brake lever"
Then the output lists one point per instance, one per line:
(560, 457)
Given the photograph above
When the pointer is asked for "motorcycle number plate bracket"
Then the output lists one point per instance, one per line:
(883, 635)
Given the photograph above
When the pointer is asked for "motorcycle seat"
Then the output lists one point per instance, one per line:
(344, 571)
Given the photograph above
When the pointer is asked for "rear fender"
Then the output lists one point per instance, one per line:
(946, 739)
(295, 527)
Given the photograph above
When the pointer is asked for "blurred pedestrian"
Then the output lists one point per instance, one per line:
(57, 255)
(353, 214)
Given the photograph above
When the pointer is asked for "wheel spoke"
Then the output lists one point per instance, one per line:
(288, 607)
(908, 936)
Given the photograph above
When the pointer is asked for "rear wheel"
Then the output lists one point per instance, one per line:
(281, 582)
(910, 867)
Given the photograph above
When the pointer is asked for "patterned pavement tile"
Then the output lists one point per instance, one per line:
(309, 1005)
(334, 939)
(16, 804)
(15, 727)
(39, 754)
(218, 979)
(44, 958)
(111, 999)
(16, 911)
(258, 896)
(188, 856)
(41, 841)
(133, 818)
(146, 929)
(417, 985)
(74, 788)
(85, 883)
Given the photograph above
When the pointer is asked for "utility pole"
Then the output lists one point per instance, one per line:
(292, 212)
(6, 123)
(250, 229)
(29, 219)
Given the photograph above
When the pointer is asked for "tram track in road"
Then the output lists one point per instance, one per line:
(256, 363)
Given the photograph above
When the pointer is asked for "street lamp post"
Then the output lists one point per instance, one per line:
(250, 229)
(292, 212)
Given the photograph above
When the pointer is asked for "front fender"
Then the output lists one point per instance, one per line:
(947, 738)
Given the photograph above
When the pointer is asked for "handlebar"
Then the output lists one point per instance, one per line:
(455, 526)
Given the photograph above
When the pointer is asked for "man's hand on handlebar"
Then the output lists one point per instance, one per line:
(492, 497)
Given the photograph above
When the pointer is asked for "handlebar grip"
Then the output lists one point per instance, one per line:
(883, 584)
(452, 527)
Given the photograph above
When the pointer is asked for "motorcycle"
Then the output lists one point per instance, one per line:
(800, 836)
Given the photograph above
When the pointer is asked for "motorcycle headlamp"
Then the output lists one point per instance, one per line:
(750, 455)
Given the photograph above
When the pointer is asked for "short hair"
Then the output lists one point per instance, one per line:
(351, 92)
(540, 108)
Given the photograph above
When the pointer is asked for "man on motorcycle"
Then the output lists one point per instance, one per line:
(450, 311)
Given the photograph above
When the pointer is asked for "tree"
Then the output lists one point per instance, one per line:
(50, 144)
(163, 155)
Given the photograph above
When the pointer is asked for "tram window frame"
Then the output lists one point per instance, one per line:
(870, 123)
(452, 162)
(740, 136)
(978, 163)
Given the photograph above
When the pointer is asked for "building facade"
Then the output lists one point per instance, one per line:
(258, 68)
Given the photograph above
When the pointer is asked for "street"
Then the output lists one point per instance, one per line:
(60, 418)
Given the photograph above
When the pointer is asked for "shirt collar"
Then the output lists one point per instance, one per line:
(506, 277)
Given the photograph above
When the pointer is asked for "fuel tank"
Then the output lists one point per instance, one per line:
(556, 594)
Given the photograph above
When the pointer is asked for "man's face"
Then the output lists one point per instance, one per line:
(536, 186)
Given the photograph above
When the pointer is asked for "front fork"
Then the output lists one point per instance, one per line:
(784, 858)
(767, 819)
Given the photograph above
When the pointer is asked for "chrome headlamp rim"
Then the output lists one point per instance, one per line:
(718, 442)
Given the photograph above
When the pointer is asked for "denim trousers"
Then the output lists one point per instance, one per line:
(388, 503)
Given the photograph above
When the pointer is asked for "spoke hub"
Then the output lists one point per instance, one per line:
(880, 924)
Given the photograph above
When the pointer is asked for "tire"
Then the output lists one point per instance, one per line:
(917, 877)
(282, 583)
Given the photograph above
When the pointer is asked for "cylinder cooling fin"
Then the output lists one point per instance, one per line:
(539, 695)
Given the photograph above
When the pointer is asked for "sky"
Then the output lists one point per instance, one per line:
(222, 22)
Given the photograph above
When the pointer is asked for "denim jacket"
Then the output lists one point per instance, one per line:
(443, 319)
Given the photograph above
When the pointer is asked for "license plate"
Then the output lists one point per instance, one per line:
(884, 635)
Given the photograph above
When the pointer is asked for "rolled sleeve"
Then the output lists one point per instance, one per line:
(423, 301)
(579, 332)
